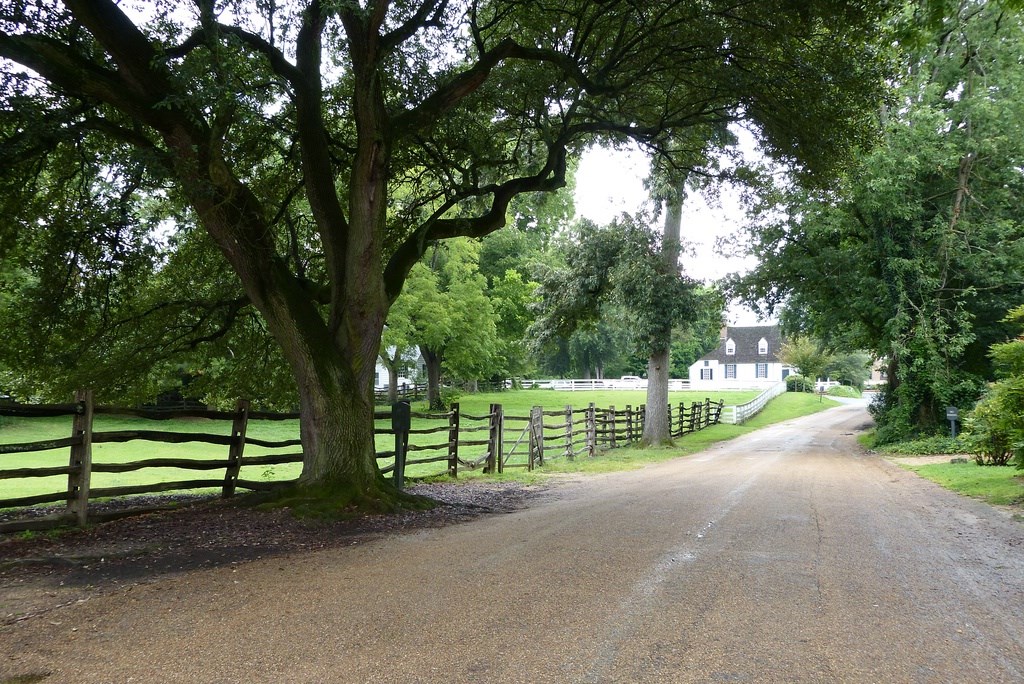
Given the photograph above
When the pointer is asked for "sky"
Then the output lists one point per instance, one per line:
(609, 182)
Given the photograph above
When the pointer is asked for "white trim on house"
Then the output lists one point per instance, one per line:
(744, 358)
(382, 378)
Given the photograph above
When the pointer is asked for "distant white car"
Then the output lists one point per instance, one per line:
(630, 382)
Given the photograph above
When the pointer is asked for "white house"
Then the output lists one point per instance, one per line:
(416, 369)
(746, 357)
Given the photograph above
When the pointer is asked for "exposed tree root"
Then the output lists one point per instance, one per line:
(344, 501)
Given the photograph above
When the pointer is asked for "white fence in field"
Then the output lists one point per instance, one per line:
(730, 414)
(635, 383)
(742, 413)
(627, 383)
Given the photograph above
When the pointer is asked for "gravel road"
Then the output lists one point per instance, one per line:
(784, 556)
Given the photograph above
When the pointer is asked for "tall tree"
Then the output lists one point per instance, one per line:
(669, 184)
(917, 254)
(807, 355)
(445, 311)
(318, 149)
(618, 272)
(657, 429)
(512, 299)
(699, 336)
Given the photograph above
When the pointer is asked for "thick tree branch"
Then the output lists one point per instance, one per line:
(429, 14)
(548, 179)
(314, 143)
(278, 62)
(466, 83)
(62, 66)
(124, 42)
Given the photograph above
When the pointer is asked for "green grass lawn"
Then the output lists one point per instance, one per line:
(1001, 485)
(515, 403)
(35, 429)
(519, 402)
(785, 407)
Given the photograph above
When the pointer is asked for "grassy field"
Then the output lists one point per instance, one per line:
(1001, 485)
(785, 407)
(35, 429)
(997, 485)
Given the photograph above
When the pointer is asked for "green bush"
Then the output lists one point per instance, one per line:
(450, 395)
(929, 446)
(798, 383)
(996, 425)
(844, 391)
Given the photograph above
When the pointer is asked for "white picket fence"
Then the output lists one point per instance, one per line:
(730, 414)
(744, 412)
(569, 385)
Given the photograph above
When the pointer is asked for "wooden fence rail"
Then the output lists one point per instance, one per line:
(493, 442)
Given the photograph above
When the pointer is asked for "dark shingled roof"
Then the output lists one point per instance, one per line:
(746, 339)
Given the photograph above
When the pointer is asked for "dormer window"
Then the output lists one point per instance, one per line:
(762, 346)
(730, 347)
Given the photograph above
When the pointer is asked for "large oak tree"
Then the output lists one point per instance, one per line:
(321, 147)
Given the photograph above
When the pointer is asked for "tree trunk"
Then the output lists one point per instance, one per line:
(656, 427)
(392, 367)
(432, 361)
(337, 421)
(656, 424)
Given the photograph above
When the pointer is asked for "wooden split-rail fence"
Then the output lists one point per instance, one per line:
(453, 439)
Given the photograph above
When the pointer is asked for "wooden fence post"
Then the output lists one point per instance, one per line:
(494, 441)
(694, 412)
(613, 443)
(238, 428)
(81, 459)
(707, 411)
(591, 430)
(568, 433)
(629, 423)
(531, 444)
(642, 422)
(401, 423)
(453, 441)
(538, 426)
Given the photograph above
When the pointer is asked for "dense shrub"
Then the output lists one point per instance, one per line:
(450, 395)
(927, 446)
(996, 424)
(798, 383)
(844, 391)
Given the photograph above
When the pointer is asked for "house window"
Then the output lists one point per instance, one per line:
(730, 347)
(762, 346)
(762, 370)
(730, 370)
(706, 373)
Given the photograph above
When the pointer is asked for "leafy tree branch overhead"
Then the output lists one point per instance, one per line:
(316, 149)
